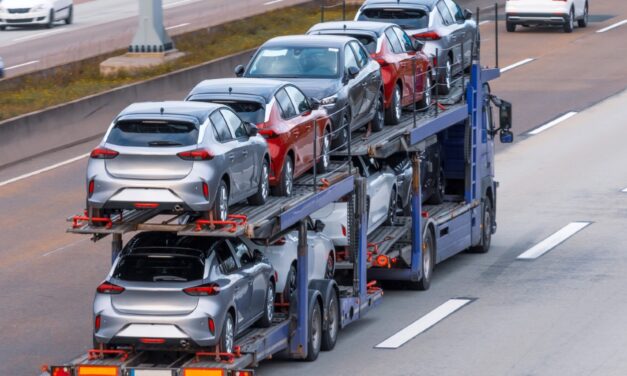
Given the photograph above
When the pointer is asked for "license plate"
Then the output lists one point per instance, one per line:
(151, 372)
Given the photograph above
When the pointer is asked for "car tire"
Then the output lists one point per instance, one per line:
(51, 16)
(428, 253)
(486, 229)
(2, 28)
(569, 23)
(378, 121)
(511, 27)
(392, 206)
(325, 153)
(340, 137)
(583, 22)
(329, 271)
(332, 327)
(425, 102)
(393, 114)
(70, 16)
(263, 188)
(221, 202)
(227, 336)
(268, 309)
(446, 81)
(290, 283)
(286, 184)
(315, 333)
(440, 187)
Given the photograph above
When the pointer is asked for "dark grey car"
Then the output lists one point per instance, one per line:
(441, 24)
(337, 70)
(177, 292)
(178, 156)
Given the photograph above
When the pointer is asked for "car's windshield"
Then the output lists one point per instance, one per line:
(153, 133)
(159, 267)
(405, 18)
(296, 62)
(252, 112)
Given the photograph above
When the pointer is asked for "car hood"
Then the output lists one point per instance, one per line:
(22, 3)
(317, 87)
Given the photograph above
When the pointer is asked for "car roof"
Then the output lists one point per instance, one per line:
(261, 87)
(375, 27)
(198, 110)
(308, 41)
(429, 4)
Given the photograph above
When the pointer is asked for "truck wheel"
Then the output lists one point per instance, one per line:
(263, 189)
(268, 313)
(315, 333)
(428, 260)
(511, 27)
(329, 335)
(486, 229)
(583, 22)
(569, 23)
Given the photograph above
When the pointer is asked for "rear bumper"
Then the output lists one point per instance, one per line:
(537, 18)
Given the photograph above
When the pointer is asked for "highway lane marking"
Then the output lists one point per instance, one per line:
(552, 123)
(422, 324)
(33, 36)
(516, 65)
(171, 5)
(45, 169)
(553, 241)
(624, 190)
(612, 26)
(484, 22)
(177, 26)
(272, 2)
(22, 65)
(64, 247)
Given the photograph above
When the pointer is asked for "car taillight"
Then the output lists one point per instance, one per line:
(243, 373)
(205, 190)
(97, 323)
(268, 133)
(203, 290)
(103, 153)
(431, 35)
(152, 341)
(343, 230)
(90, 188)
(60, 371)
(109, 288)
(196, 155)
(212, 325)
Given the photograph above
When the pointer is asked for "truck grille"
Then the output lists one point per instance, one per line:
(19, 10)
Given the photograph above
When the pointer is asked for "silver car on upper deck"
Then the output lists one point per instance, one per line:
(177, 156)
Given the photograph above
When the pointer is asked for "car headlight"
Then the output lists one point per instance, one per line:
(39, 7)
(329, 100)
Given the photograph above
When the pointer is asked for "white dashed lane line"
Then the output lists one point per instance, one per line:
(22, 65)
(272, 2)
(516, 65)
(612, 26)
(553, 241)
(45, 169)
(423, 323)
(552, 123)
(177, 26)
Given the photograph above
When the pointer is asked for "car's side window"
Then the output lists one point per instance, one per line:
(242, 253)
(394, 42)
(456, 11)
(445, 13)
(235, 123)
(405, 40)
(362, 56)
(225, 258)
(349, 58)
(220, 129)
(287, 107)
(298, 98)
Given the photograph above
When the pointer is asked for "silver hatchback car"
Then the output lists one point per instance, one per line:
(186, 293)
(178, 156)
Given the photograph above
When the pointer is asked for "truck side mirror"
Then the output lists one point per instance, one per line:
(505, 115)
(507, 137)
(239, 70)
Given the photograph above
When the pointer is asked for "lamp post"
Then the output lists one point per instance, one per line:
(151, 35)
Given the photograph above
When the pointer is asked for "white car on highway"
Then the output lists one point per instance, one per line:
(1, 68)
(35, 12)
(546, 12)
(283, 254)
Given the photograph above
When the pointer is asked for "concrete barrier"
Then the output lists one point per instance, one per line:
(87, 118)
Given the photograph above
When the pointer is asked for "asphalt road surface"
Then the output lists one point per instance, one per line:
(564, 313)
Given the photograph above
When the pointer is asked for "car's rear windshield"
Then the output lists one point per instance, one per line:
(153, 133)
(159, 267)
(296, 62)
(405, 18)
(367, 40)
(252, 112)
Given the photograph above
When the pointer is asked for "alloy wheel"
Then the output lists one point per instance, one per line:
(329, 271)
(270, 302)
(223, 206)
(229, 334)
(449, 73)
(264, 181)
(326, 143)
(427, 91)
(426, 259)
(397, 103)
(333, 322)
(288, 177)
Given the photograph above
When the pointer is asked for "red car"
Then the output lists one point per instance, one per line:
(284, 116)
(395, 51)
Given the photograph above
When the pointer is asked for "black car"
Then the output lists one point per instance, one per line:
(335, 70)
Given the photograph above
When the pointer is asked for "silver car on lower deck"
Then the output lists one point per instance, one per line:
(178, 156)
(171, 292)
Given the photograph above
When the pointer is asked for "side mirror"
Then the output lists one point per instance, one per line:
(352, 72)
(467, 14)
(505, 115)
(417, 44)
(251, 129)
(507, 137)
(258, 256)
(319, 225)
(239, 70)
(314, 103)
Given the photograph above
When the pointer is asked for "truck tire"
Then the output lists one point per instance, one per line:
(428, 261)
(329, 333)
(315, 332)
(486, 229)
